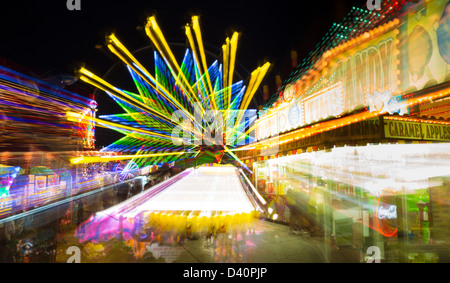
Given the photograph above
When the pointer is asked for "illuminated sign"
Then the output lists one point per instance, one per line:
(366, 69)
(389, 212)
(416, 130)
(426, 46)
(323, 104)
(386, 102)
(290, 117)
(374, 70)
(363, 76)
(386, 214)
(267, 127)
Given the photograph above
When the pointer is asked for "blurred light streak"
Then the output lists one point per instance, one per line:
(119, 157)
(174, 205)
(402, 169)
(191, 88)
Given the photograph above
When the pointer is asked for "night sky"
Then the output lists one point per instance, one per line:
(47, 38)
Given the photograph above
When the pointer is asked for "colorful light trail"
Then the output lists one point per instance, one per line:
(189, 90)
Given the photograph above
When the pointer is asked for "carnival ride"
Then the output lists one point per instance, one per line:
(126, 171)
(181, 110)
(207, 199)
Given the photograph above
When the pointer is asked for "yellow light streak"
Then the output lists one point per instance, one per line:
(198, 36)
(75, 116)
(252, 89)
(95, 159)
(233, 43)
(105, 86)
(113, 89)
(255, 80)
(154, 33)
(143, 73)
(225, 50)
(194, 50)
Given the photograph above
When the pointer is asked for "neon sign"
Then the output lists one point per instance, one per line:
(368, 69)
(300, 112)
(386, 214)
(389, 213)
(323, 104)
